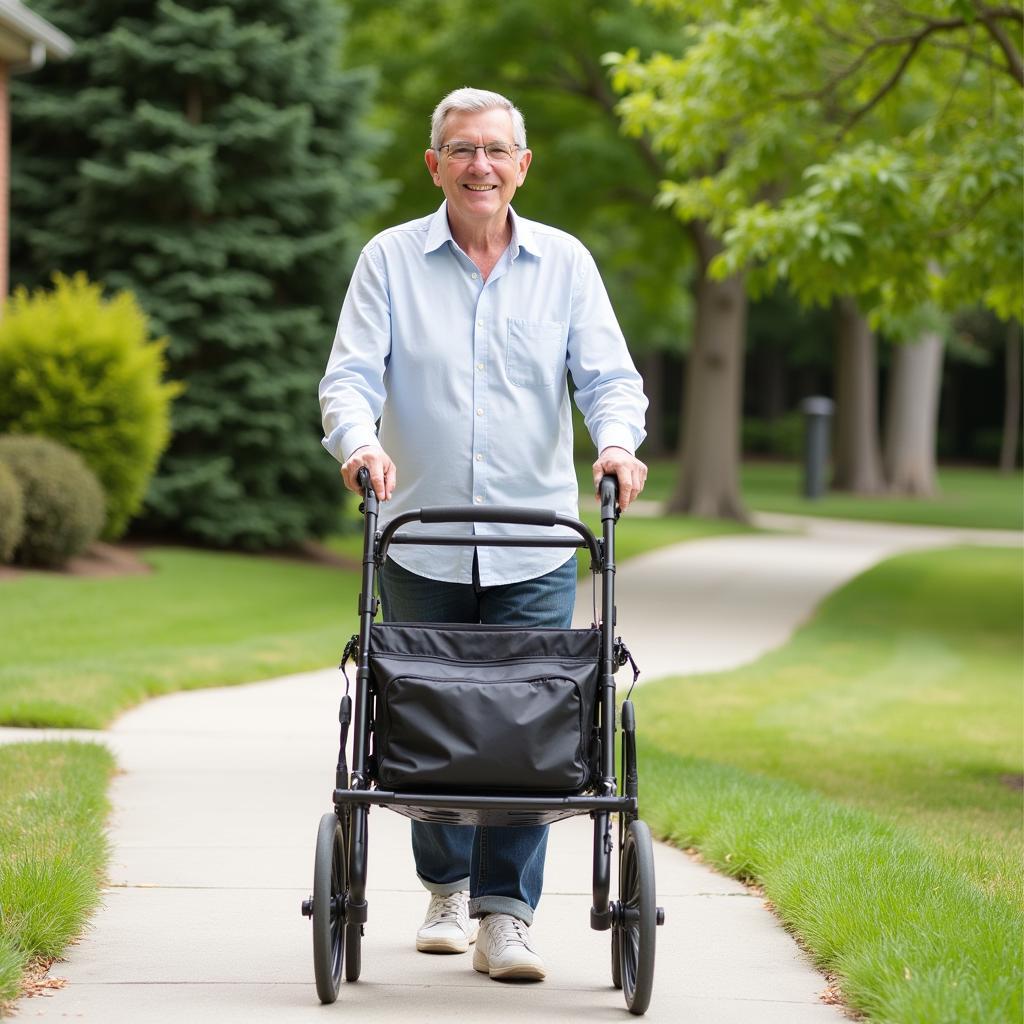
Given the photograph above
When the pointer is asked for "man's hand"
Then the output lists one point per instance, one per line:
(383, 475)
(628, 469)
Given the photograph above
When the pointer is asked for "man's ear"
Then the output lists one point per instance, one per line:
(525, 159)
(430, 156)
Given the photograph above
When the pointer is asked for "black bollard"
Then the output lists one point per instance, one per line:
(817, 412)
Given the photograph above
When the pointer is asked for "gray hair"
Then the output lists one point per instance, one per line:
(473, 101)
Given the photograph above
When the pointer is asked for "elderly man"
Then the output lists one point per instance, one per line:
(457, 333)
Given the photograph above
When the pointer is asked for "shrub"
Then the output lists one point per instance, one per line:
(64, 507)
(782, 437)
(81, 369)
(12, 513)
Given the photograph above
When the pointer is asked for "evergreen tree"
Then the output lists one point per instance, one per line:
(210, 158)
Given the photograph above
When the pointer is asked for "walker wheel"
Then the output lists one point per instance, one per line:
(639, 918)
(329, 884)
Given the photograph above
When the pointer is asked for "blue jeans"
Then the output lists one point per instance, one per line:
(502, 867)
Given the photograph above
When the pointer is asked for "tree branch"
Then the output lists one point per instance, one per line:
(888, 85)
(990, 19)
(968, 51)
(973, 212)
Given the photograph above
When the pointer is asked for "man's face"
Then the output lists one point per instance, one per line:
(481, 188)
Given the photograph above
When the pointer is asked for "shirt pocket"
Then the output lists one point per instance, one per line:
(535, 352)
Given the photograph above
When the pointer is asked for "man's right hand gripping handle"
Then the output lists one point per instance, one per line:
(377, 462)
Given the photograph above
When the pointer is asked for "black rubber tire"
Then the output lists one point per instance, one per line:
(639, 928)
(329, 877)
(616, 959)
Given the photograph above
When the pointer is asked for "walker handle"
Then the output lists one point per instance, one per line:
(609, 491)
(488, 514)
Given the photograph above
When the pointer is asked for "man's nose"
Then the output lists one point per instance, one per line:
(480, 162)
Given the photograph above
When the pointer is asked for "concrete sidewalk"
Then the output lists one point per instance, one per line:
(216, 810)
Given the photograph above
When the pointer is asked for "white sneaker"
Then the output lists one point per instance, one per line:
(503, 949)
(447, 927)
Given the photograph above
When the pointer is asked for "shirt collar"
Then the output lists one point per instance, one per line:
(439, 231)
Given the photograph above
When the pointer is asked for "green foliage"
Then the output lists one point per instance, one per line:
(12, 513)
(82, 370)
(53, 849)
(63, 500)
(859, 150)
(209, 158)
(783, 437)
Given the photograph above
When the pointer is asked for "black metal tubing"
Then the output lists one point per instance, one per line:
(608, 493)
(484, 540)
(582, 804)
(510, 514)
(488, 514)
(367, 610)
(357, 853)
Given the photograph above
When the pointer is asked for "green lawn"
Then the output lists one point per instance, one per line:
(75, 652)
(52, 849)
(865, 774)
(979, 498)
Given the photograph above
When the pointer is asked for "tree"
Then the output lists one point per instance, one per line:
(211, 159)
(844, 148)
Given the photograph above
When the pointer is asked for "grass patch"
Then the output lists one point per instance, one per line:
(979, 498)
(912, 937)
(859, 773)
(52, 849)
(74, 652)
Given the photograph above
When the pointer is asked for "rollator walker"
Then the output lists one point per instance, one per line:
(487, 725)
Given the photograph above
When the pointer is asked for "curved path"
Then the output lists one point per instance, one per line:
(216, 808)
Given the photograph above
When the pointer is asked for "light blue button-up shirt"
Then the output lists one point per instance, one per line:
(468, 380)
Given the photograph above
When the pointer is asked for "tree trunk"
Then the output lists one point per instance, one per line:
(709, 439)
(858, 464)
(1011, 409)
(912, 416)
(652, 370)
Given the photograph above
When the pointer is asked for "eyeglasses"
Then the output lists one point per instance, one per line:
(462, 152)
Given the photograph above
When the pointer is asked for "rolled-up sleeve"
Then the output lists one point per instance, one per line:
(352, 390)
(609, 391)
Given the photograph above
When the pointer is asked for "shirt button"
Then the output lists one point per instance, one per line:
(479, 412)
(478, 500)
(479, 366)
(479, 323)
(479, 458)
(474, 276)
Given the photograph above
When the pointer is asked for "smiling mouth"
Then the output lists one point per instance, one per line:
(480, 188)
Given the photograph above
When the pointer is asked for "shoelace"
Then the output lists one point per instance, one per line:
(444, 908)
(509, 931)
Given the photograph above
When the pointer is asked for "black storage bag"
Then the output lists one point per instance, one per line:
(483, 708)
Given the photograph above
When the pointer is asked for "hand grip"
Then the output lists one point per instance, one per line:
(609, 492)
(493, 514)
